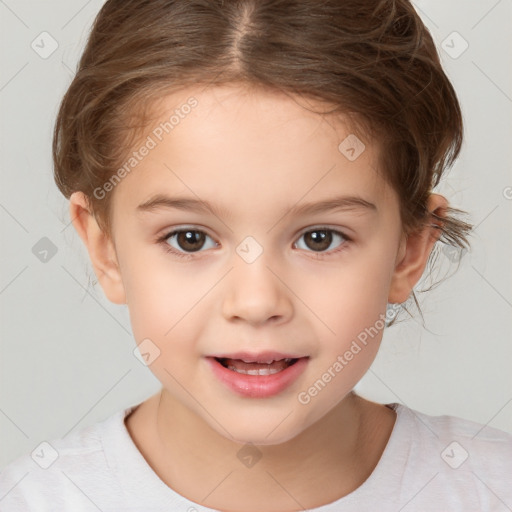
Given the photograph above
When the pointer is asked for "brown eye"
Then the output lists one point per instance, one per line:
(318, 240)
(321, 239)
(184, 241)
(190, 240)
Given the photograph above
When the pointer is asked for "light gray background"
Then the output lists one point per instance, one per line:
(67, 353)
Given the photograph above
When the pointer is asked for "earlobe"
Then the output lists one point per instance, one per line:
(99, 246)
(414, 252)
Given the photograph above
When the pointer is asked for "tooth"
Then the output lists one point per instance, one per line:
(270, 371)
(262, 371)
(270, 361)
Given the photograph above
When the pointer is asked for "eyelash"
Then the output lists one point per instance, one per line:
(187, 256)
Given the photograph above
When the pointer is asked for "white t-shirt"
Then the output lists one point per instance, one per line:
(430, 463)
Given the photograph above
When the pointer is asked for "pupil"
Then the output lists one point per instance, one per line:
(190, 240)
(322, 239)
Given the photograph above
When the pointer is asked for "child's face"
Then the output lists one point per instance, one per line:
(256, 157)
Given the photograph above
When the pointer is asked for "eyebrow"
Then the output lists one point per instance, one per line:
(344, 203)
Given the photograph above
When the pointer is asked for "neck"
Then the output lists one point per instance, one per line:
(328, 460)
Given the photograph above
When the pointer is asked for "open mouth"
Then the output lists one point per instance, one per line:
(257, 376)
(269, 367)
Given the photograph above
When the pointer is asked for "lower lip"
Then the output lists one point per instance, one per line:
(258, 386)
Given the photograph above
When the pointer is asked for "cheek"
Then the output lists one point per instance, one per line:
(157, 306)
(352, 305)
(165, 301)
(353, 308)
(154, 295)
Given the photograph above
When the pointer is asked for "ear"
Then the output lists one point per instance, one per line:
(100, 247)
(414, 251)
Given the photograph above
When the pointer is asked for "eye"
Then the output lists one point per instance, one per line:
(321, 239)
(183, 242)
(186, 241)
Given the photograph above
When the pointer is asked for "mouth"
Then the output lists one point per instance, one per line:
(257, 376)
(247, 367)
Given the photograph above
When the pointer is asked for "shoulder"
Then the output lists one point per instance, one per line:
(59, 472)
(460, 435)
(459, 459)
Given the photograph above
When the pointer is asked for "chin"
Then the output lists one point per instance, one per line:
(273, 430)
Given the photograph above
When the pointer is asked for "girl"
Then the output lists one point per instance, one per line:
(255, 181)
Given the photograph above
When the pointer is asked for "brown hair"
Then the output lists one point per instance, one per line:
(373, 60)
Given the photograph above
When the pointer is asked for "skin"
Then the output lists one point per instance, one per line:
(255, 154)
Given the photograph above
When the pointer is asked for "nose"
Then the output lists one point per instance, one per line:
(256, 294)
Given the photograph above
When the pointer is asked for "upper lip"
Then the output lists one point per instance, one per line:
(259, 357)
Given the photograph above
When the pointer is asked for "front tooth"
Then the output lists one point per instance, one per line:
(260, 362)
(269, 371)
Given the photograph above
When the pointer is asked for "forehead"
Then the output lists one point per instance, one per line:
(233, 144)
(238, 110)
